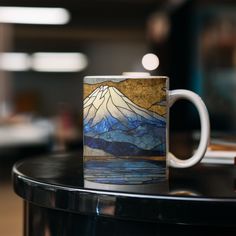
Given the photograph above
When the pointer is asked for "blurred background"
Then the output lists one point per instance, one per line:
(47, 47)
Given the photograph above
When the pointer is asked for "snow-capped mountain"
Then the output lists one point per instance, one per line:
(109, 103)
(111, 120)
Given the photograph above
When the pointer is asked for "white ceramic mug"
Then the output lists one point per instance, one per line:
(126, 129)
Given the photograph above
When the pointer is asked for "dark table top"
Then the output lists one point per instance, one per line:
(201, 195)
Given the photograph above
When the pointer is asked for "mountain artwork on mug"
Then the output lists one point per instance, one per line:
(125, 118)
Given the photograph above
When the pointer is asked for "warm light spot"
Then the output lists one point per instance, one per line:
(14, 61)
(59, 62)
(150, 61)
(34, 15)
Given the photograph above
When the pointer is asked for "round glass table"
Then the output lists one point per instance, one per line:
(195, 201)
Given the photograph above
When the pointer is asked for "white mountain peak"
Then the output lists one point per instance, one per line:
(103, 87)
(108, 101)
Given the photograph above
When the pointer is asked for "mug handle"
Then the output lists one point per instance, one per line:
(175, 95)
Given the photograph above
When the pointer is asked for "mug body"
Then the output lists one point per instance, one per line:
(125, 129)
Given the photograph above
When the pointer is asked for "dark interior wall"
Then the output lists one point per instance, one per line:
(51, 90)
(182, 47)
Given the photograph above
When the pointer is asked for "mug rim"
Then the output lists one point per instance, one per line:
(126, 77)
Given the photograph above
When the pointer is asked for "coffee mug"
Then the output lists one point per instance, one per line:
(126, 129)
